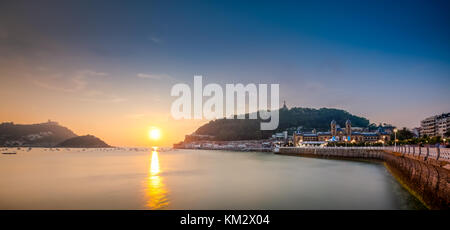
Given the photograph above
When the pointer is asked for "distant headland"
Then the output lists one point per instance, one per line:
(47, 134)
(87, 141)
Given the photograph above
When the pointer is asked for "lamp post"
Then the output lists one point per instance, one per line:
(395, 138)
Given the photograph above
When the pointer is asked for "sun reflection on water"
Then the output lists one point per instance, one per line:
(156, 192)
(154, 167)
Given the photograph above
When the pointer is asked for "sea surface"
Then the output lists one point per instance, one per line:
(129, 178)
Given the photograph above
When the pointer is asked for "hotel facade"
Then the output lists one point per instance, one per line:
(339, 135)
(435, 126)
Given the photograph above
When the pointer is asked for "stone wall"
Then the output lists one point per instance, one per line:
(335, 153)
(430, 183)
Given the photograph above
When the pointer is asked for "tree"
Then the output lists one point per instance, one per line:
(435, 140)
(372, 127)
(403, 134)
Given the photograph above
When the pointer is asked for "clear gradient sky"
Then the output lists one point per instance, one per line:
(106, 68)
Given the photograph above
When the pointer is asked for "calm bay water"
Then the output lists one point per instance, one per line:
(193, 179)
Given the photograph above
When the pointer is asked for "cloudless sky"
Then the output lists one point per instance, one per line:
(106, 67)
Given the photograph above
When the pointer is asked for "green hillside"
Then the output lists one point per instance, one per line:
(306, 118)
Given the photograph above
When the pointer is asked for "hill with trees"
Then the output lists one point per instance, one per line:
(304, 119)
(87, 141)
(48, 134)
(41, 135)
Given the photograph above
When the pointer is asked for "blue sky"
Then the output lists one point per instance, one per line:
(385, 60)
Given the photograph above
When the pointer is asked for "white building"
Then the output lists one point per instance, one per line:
(435, 125)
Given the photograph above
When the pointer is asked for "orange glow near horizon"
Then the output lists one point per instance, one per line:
(115, 130)
(91, 110)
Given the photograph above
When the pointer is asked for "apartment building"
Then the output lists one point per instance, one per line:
(435, 125)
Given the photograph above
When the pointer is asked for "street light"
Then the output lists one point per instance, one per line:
(395, 138)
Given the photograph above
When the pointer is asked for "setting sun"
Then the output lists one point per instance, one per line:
(154, 133)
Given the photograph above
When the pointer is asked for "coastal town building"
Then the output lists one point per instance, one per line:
(436, 125)
(280, 136)
(416, 131)
(339, 135)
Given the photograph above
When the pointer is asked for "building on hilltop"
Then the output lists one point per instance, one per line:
(50, 122)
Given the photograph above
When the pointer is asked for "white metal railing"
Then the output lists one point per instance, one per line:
(432, 152)
(428, 152)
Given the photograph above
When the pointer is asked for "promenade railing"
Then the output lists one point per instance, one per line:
(427, 152)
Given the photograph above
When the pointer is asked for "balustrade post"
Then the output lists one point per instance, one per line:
(438, 153)
(414, 150)
(420, 150)
(428, 153)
